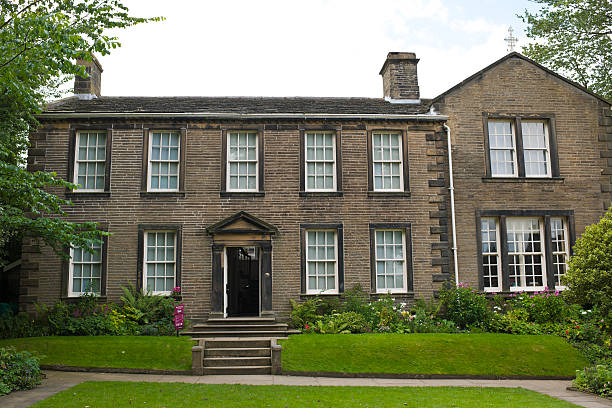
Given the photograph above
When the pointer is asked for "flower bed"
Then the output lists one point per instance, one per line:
(138, 314)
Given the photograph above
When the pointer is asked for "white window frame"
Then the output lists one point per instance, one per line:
(542, 254)
(336, 257)
(545, 124)
(497, 254)
(404, 288)
(178, 161)
(401, 161)
(227, 161)
(75, 174)
(514, 148)
(306, 161)
(71, 292)
(145, 261)
(565, 253)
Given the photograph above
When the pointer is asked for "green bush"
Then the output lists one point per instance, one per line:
(304, 314)
(542, 307)
(424, 320)
(19, 370)
(465, 306)
(346, 322)
(589, 274)
(514, 322)
(596, 379)
(19, 325)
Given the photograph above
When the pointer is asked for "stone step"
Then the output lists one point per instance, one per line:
(236, 333)
(241, 320)
(236, 361)
(229, 343)
(238, 352)
(238, 327)
(238, 370)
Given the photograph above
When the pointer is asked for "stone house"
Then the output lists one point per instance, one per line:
(246, 202)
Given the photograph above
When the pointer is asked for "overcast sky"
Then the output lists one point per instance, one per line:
(305, 48)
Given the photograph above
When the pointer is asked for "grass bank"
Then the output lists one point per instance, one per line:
(432, 353)
(143, 352)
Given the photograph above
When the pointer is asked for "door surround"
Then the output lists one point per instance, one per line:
(241, 230)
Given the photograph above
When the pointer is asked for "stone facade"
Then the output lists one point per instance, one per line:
(583, 187)
(581, 122)
(200, 205)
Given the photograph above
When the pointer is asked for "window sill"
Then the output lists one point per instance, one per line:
(319, 294)
(523, 179)
(389, 194)
(321, 193)
(87, 195)
(162, 194)
(66, 298)
(393, 294)
(241, 194)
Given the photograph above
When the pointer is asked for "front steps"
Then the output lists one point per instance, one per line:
(239, 327)
(237, 346)
(237, 356)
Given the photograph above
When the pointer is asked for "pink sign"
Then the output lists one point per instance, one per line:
(179, 317)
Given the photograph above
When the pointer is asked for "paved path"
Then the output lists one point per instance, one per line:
(57, 381)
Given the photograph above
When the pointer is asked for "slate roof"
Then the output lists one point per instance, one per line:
(238, 105)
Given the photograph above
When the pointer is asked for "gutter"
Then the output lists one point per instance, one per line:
(225, 115)
(452, 202)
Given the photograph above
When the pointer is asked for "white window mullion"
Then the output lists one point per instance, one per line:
(387, 162)
(90, 161)
(320, 161)
(390, 261)
(560, 248)
(491, 254)
(164, 161)
(321, 261)
(242, 161)
(85, 271)
(159, 262)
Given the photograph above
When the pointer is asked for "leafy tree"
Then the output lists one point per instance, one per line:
(574, 37)
(40, 41)
(589, 275)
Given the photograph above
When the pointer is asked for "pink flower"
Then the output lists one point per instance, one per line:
(494, 293)
(545, 288)
(577, 327)
(307, 327)
(567, 332)
(532, 305)
(177, 289)
(557, 292)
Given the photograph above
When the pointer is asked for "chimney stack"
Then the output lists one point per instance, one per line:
(89, 88)
(400, 82)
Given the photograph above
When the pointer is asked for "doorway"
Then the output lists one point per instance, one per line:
(242, 281)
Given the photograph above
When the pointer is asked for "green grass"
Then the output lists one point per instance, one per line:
(178, 395)
(144, 352)
(476, 354)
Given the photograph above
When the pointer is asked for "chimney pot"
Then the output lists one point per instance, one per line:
(400, 81)
(89, 88)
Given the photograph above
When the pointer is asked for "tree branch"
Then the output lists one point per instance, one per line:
(18, 13)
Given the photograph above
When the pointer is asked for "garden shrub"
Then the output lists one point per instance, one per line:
(596, 379)
(424, 321)
(589, 274)
(346, 322)
(542, 307)
(513, 322)
(19, 325)
(305, 313)
(19, 370)
(465, 306)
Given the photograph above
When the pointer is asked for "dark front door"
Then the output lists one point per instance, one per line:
(242, 281)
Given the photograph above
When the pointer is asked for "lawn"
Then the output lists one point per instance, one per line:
(432, 353)
(144, 352)
(178, 395)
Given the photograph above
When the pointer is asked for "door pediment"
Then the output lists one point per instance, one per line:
(241, 223)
